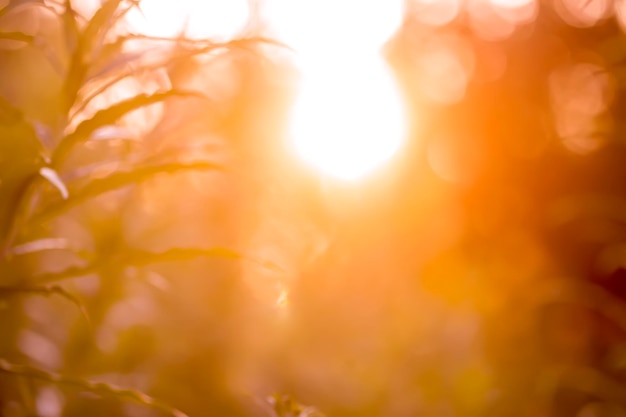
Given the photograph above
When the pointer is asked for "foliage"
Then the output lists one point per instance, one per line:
(162, 256)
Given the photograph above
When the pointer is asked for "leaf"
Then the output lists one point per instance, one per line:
(52, 176)
(44, 134)
(77, 68)
(70, 27)
(99, 388)
(16, 36)
(140, 258)
(110, 58)
(14, 4)
(200, 47)
(46, 292)
(98, 25)
(122, 179)
(112, 132)
(40, 245)
(112, 114)
(75, 77)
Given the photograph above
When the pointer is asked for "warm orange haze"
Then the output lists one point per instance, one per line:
(348, 117)
(312, 208)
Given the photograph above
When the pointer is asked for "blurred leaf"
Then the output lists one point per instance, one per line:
(78, 67)
(40, 245)
(112, 114)
(70, 25)
(99, 24)
(137, 258)
(46, 292)
(119, 180)
(286, 406)
(113, 57)
(53, 177)
(75, 77)
(12, 4)
(16, 36)
(112, 132)
(142, 258)
(98, 388)
(169, 58)
(20, 159)
(44, 134)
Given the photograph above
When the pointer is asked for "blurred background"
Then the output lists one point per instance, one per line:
(189, 221)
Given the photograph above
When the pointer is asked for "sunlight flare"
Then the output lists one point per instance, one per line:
(346, 122)
(197, 19)
(348, 118)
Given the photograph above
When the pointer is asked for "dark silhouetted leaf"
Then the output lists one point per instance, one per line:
(122, 179)
(112, 114)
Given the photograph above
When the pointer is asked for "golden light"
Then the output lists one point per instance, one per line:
(347, 121)
(215, 19)
(348, 118)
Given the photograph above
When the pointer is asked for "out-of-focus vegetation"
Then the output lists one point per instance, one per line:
(161, 250)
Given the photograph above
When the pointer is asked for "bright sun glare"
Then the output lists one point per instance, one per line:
(220, 19)
(348, 118)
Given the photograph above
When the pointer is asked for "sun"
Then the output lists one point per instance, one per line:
(348, 118)
(349, 121)
(214, 19)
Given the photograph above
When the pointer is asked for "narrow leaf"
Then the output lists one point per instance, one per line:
(54, 290)
(16, 36)
(119, 180)
(142, 258)
(75, 77)
(199, 47)
(112, 132)
(100, 22)
(78, 67)
(70, 26)
(111, 114)
(52, 176)
(98, 388)
(40, 245)
(139, 258)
